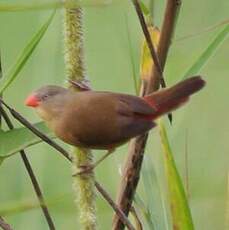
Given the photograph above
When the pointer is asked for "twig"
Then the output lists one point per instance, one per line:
(45, 138)
(4, 225)
(118, 211)
(159, 70)
(132, 167)
(31, 175)
(136, 218)
(169, 22)
(31, 127)
(149, 42)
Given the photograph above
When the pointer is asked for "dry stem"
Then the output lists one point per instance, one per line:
(4, 225)
(32, 176)
(59, 149)
(29, 169)
(132, 167)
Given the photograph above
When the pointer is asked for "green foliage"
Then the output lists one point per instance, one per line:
(153, 195)
(144, 211)
(43, 5)
(13, 141)
(181, 215)
(109, 68)
(208, 52)
(21, 60)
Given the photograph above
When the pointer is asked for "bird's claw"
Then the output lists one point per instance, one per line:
(84, 169)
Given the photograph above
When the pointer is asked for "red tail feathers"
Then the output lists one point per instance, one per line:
(166, 100)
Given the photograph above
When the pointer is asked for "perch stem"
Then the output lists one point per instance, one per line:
(132, 166)
(64, 153)
(29, 170)
(83, 184)
(32, 176)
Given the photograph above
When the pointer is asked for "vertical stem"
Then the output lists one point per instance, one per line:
(83, 185)
(29, 168)
(73, 42)
(132, 166)
(4, 225)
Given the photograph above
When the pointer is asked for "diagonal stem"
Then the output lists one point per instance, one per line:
(31, 175)
(29, 170)
(132, 167)
(149, 42)
(4, 225)
(159, 70)
(118, 211)
(53, 144)
(36, 131)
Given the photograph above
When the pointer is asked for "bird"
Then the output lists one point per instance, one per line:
(105, 120)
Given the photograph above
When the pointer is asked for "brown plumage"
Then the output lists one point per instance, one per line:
(105, 120)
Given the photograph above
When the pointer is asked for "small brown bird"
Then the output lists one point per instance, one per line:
(105, 120)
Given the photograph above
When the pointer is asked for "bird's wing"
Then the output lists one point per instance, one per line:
(131, 105)
(134, 115)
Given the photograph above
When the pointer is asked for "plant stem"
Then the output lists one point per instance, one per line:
(132, 167)
(29, 168)
(4, 225)
(74, 60)
(149, 42)
(32, 176)
(64, 153)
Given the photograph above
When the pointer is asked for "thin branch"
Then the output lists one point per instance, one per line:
(32, 176)
(139, 225)
(169, 22)
(36, 131)
(149, 42)
(53, 144)
(4, 225)
(132, 167)
(157, 64)
(118, 211)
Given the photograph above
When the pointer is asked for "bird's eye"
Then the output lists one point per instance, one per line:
(45, 97)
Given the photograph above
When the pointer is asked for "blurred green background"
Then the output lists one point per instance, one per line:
(112, 37)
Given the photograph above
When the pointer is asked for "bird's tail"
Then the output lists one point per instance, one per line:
(166, 100)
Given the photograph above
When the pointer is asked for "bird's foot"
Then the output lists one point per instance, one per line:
(84, 169)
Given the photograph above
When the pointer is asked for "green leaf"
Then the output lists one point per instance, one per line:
(134, 74)
(21, 205)
(25, 5)
(153, 195)
(181, 215)
(144, 9)
(14, 140)
(11, 75)
(144, 211)
(208, 52)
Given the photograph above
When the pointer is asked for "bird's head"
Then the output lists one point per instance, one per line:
(48, 100)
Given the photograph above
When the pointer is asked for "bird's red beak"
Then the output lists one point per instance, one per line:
(32, 101)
